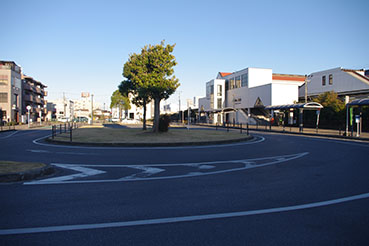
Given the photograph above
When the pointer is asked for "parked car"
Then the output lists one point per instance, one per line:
(81, 119)
(115, 119)
(64, 119)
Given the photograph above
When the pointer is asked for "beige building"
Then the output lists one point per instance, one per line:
(10, 91)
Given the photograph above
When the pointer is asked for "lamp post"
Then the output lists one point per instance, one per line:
(28, 108)
(307, 79)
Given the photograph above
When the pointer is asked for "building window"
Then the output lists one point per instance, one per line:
(244, 80)
(3, 97)
(3, 79)
(212, 90)
(226, 85)
(232, 83)
(323, 81)
(219, 104)
(219, 90)
(331, 79)
(238, 82)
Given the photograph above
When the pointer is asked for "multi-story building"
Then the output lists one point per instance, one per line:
(64, 109)
(233, 97)
(10, 92)
(33, 95)
(347, 83)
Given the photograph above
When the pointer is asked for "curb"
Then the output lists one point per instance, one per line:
(27, 175)
(149, 144)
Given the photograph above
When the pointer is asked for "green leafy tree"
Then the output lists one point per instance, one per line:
(333, 113)
(151, 75)
(140, 97)
(120, 101)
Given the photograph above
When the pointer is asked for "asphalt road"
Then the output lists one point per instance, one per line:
(275, 190)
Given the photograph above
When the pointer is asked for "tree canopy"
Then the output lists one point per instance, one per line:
(120, 101)
(150, 76)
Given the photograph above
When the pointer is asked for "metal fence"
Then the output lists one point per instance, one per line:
(64, 128)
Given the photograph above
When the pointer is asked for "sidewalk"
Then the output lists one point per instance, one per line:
(295, 130)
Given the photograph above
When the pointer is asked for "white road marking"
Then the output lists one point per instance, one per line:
(248, 164)
(180, 219)
(38, 151)
(261, 139)
(147, 171)
(84, 172)
(12, 134)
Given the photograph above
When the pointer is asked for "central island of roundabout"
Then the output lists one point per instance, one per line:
(111, 135)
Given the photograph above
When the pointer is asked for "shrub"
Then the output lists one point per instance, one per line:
(164, 121)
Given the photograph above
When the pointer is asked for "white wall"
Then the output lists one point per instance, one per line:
(283, 93)
(342, 82)
(259, 76)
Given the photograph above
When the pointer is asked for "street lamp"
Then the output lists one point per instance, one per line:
(28, 108)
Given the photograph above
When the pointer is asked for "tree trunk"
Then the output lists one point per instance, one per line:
(156, 114)
(144, 115)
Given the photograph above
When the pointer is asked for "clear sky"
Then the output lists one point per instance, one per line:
(81, 46)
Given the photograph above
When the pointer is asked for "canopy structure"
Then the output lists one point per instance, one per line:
(301, 106)
(305, 106)
(359, 102)
(358, 118)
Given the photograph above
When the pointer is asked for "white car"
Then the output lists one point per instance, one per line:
(115, 119)
(64, 119)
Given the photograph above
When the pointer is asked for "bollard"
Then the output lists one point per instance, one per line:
(60, 128)
(70, 134)
(228, 127)
(247, 128)
(241, 128)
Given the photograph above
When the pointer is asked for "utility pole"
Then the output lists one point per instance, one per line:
(179, 105)
(92, 109)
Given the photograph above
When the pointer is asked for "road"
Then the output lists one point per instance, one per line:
(275, 190)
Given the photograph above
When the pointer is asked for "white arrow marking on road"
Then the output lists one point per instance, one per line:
(84, 172)
(147, 171)
(38, 151)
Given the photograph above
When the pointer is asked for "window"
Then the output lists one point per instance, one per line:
(232, 83)
(219, 90)
(244, 80)
(219, 104)
(227, 85)
(238, 82)
(331, 79)
(3, 97)
(3, 79)
(323, 81)
(212, 90)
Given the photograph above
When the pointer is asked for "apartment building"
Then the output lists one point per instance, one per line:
(10, 92)
(233, 97)
(33, 95)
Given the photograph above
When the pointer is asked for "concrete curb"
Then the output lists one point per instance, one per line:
(27, 175)
(49, 140)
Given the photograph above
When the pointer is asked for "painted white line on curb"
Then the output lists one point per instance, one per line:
(261, 139)
(179, 219)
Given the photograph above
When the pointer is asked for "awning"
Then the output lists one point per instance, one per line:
(364, 101)
(307, 106)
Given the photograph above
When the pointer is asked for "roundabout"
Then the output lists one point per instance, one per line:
(275, 189)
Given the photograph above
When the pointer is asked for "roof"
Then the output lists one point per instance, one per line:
(364, 101)
(310, 105)
(223, 74)
(289, 77)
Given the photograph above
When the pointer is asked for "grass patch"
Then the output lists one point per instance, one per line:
(111, 135)
(15, 167)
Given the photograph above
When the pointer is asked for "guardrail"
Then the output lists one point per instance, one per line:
(64, 128)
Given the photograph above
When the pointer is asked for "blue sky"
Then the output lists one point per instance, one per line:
(81, 46)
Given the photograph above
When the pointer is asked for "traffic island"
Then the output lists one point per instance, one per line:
(133, 137)
(11, 171)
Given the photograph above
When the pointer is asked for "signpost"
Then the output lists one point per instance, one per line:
(29, 109)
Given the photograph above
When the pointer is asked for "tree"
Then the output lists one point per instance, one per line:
(120, 101)
(140, 97)
(333, 113)
(150, 75)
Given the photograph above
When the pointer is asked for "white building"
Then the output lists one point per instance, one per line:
(345, 82)
(232, 97)
(64, 108)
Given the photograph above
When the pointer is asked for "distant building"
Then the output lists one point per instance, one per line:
(345, 82)
(233, 97)
(33, 95)
(10, 91)
(64, 108)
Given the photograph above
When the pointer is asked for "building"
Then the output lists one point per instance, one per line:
(10, 92)
(82, 106)
(33, 95)
(234, 97)
(64, 109)
(349, 83)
